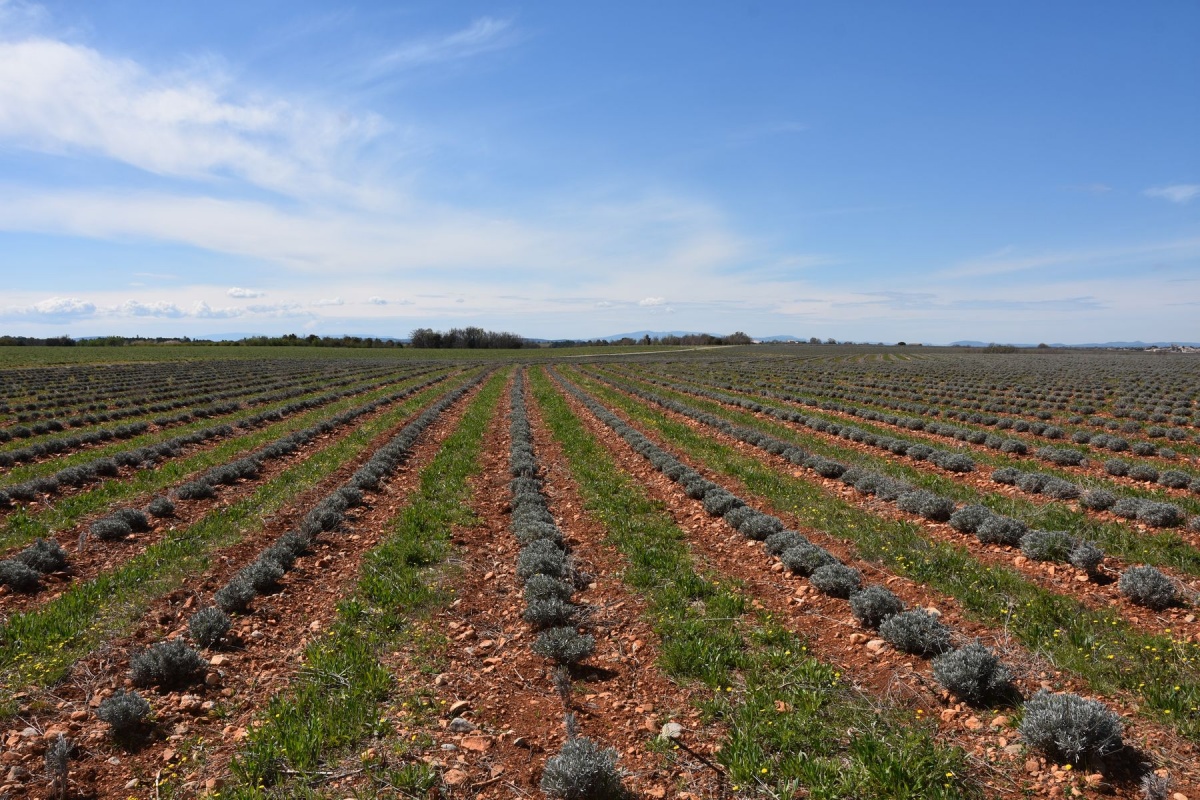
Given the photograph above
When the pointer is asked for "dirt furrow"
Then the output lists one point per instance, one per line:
(881, 671)
(196, 731)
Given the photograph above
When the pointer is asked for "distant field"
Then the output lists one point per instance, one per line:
(351, 548)
(31, 356)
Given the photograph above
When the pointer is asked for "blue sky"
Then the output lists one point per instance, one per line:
(868, 171)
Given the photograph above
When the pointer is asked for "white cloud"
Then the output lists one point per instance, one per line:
(652, 301)
(328, 301)
(67, 99)
(50, 310)
(1179, 193)
(604, 304)
(377, 301)
(483, 35)
(134, 308)
(63, 305)
(237, 291)
(202, 310)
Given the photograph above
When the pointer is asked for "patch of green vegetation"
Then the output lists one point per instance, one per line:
(336, 700)
(1095, 644)
(24, 525)
(791, 722)
(50, 466)
(1162, 548)
(41, 356)
(37, 647)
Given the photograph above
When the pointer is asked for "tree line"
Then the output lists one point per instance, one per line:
(465, 338)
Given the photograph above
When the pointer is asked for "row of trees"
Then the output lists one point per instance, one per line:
(461, 338)
(312, 340)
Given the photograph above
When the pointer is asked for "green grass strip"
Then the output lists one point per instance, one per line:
(1095, 644)
(39, 646)
(334, 703)
(24, 525)
(981, 454)
(253, 397)
(830, 741)
(1163, 548)
(24, 472)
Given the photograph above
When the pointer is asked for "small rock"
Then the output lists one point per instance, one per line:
(1032, 766)
(876, 645)
(454, 777)
(168, 755)
(460, 725)
(1094, 779)
(219, 660)
(457, 707)
(212, 680)
(479, 744)
(214, 785)
(972, 723)
(441, 679)
(17, 774)
(857, 638)
(1013, 749)
(1001, 722)
(79, 715)
(671, 730)
(132, 784)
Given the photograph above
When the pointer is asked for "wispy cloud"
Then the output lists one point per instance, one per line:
(18, 17)
(1011, 259)
(484, 35)
(277, 310)
(377, 301)
(65, 99)
(652, 301)
(238, 291)
(1177, 193)
(328, 301)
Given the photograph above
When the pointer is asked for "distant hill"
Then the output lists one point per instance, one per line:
(652, 334)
